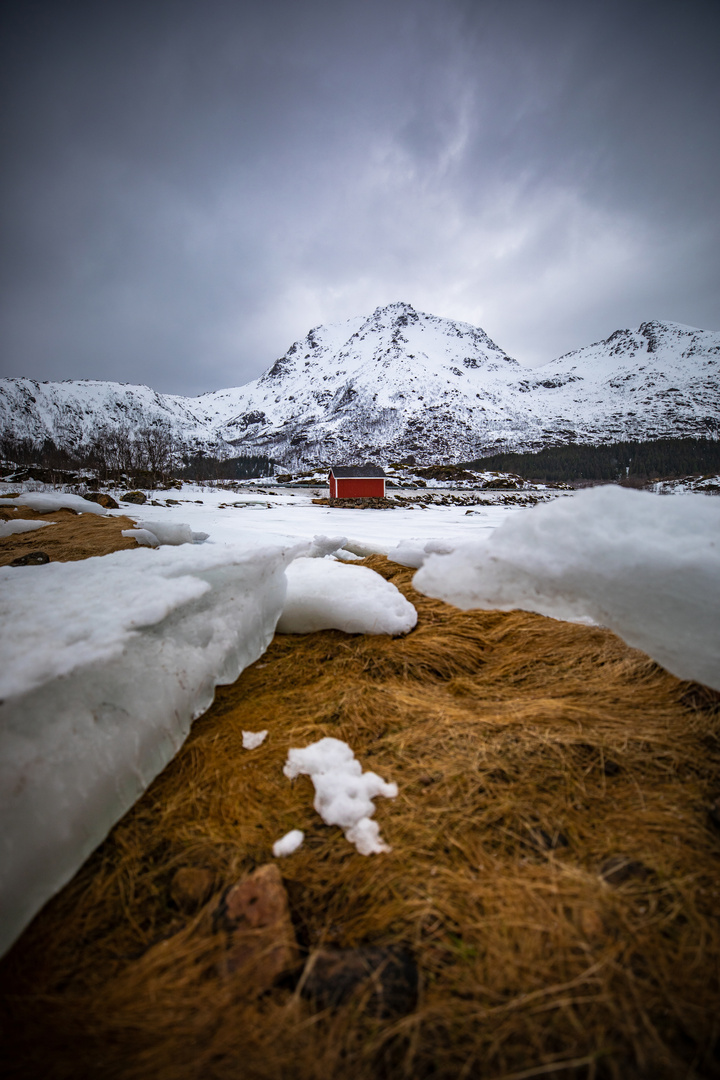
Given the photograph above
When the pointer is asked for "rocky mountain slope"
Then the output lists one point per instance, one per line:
(403, 382)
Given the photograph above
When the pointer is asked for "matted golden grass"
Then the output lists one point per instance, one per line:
(70, 537)
(495, 726)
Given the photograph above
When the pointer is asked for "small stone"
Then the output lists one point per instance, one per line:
(332, 976)
(102, 499)
(255, 916)
(137, 497)
(619, 868)
(33, 558)
(191, 887)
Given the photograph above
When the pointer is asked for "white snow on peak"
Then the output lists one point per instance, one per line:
(402, 381)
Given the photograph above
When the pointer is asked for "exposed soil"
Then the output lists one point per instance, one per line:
(555, 871)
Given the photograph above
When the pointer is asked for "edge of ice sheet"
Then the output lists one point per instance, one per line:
(646, 566)
(46, 502)
(138, 642)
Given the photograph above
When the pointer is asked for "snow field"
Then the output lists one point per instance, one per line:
(343, 792)
(646, 566)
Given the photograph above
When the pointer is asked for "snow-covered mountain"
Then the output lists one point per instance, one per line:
(402, 382)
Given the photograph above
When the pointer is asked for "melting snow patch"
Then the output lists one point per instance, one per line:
(645, 566)
(19, 525)
(343, 792)
(288, 843)
(45, 502)
(252, 739)
(327, 595)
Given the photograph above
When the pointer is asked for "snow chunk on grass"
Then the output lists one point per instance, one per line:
(327, 595)
(288, 843)
(171, 533)
(343, 792)
(45, 502)
(252, 739)
(20, 525)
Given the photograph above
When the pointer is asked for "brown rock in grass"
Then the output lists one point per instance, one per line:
(191, 887)
(619, 869)
(33, 558)
(255, 916)
(388, 975)
(102, 499)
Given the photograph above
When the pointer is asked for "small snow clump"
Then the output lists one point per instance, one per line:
(343, 792)
(252, 739)
(172, 533)
(288, 843)
(324, 594)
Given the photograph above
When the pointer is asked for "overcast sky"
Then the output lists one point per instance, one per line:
(191, 186)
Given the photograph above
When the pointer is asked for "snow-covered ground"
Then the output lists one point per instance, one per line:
(104, 663)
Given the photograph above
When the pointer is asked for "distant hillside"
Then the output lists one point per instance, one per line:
(402, 382)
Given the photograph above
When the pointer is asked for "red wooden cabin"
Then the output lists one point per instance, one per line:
(357, 482)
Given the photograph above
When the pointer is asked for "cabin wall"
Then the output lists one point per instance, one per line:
(359, 488)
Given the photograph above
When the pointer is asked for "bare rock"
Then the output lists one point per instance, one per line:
(137, 497)
(619, 869)
(33, 558)
(255, 916)
(191, 887)
(102, 499)
(388, 975)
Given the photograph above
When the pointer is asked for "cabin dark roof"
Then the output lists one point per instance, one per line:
(346, 471)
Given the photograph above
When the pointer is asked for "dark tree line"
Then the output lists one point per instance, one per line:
(654, 459)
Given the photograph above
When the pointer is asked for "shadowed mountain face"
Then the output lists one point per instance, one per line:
(401, 382)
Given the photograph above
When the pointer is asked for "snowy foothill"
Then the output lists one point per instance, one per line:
(327, 595)
(644, 565)
(20, 525)
(343, 792)
(106, 662)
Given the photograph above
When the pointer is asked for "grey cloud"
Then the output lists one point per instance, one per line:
(192, 186)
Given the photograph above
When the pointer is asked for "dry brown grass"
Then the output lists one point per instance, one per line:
(71, 536)
(495, 726)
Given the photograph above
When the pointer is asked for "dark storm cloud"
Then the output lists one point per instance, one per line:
(191, 186)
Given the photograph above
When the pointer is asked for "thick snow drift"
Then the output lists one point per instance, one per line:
(646, 566)
(327, 595)
(343, 792)
(105, 664)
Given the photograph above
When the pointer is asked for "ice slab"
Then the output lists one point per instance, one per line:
(343, 792)
(324, 594)
(105, 663)
(645, 565)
